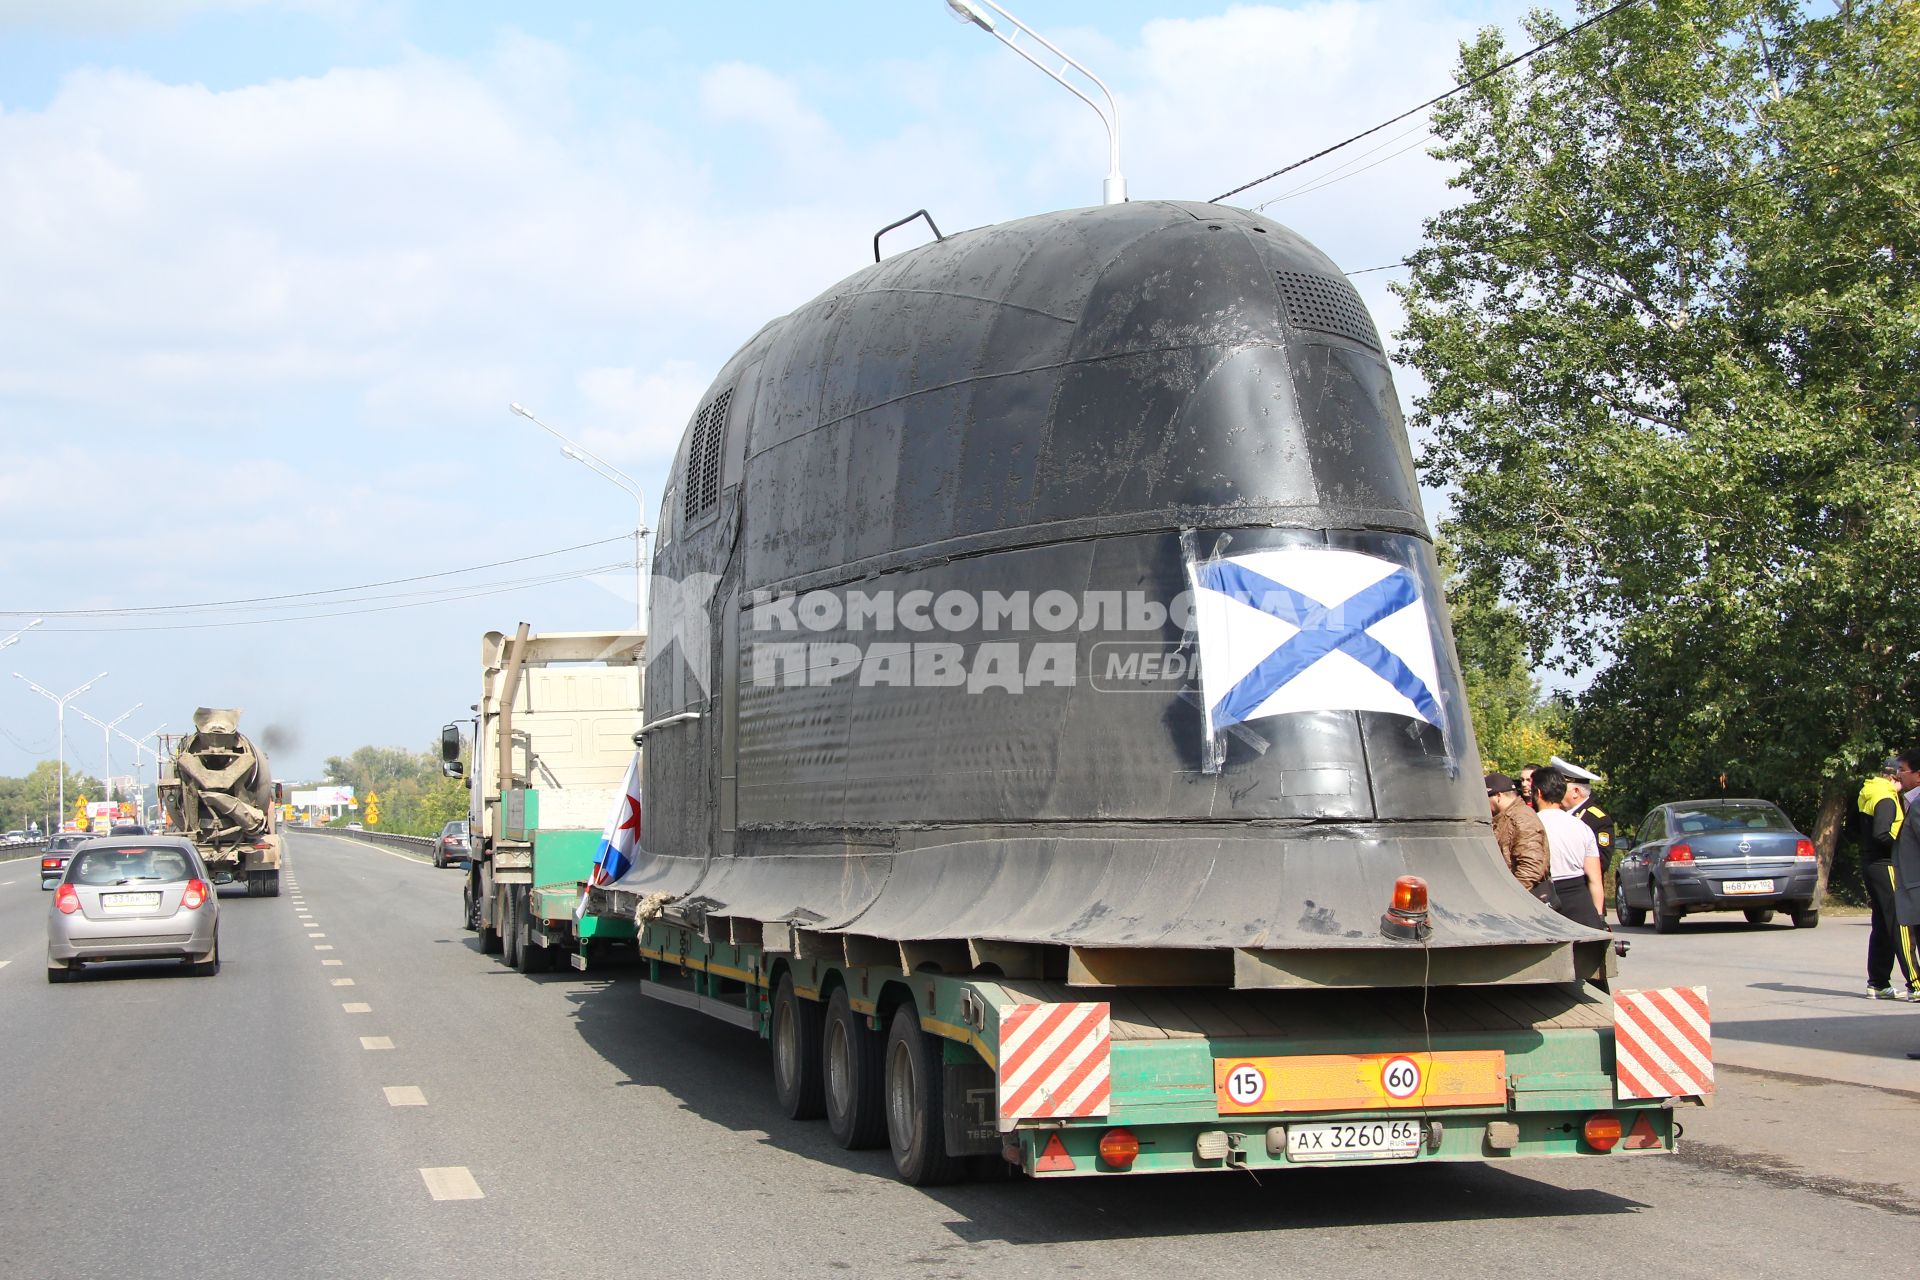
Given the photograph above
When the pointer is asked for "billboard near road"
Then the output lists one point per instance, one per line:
(323, 796)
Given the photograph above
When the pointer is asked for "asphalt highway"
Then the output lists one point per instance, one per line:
(256, 1124)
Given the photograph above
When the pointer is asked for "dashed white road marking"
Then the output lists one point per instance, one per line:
(451, 1183)
(316, 935)
(343, 982)
(404, 1095)
(323, 946)
(5, 963)
(5, 883)
(355, 1006)
(376, 1042)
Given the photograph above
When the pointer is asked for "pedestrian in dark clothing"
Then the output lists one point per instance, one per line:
(1879, 819)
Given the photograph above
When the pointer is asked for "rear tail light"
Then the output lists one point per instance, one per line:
(1804, 849)
(1680, 853)
(49, 864)
(67, 899)
(196, 895)
(1602, 1132)
(1119, 1148)
(261, 845)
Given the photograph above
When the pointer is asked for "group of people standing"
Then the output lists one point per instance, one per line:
(1556, 841)
(1890, 861)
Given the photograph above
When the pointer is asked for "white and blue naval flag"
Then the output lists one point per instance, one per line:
(1312, 629)
(622, 832)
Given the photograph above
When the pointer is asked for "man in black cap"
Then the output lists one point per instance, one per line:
(1580, 804)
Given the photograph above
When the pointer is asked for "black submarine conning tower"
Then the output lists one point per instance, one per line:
(1082, 411)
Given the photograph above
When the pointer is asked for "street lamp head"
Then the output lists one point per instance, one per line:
(517, 407)
(967, 11)
(567, 450)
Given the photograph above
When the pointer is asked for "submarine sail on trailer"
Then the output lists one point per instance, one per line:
(1065, 582)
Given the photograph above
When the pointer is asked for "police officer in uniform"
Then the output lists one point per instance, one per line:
(1580, 804)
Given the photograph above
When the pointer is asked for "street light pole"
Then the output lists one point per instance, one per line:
(613, 475)
(60, 733)
(1114, 189)
(106, 737)
(15, 637)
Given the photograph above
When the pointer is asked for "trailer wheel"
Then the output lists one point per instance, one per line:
(510, 927)
(469, 908)
(530, 956)
(916, 1124)
(853, 1068)
(795, 1038)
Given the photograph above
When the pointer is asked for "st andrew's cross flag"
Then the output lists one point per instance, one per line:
(1312, 629)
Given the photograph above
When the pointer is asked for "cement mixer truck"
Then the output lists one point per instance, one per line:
(218, 792)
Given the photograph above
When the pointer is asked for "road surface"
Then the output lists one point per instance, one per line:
(360, 1093)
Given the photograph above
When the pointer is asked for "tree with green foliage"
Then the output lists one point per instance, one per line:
(1515, 723)
(414, 798)
(1670, 337)
(35, 797)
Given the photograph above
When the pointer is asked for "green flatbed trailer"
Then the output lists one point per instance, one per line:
(550, 933)
(1197, 1079)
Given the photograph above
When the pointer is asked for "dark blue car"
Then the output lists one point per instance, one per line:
(1717, 855)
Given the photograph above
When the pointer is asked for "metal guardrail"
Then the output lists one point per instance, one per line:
(418, 844)
(10, 850)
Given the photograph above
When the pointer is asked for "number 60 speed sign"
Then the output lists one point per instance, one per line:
(1359, 1081)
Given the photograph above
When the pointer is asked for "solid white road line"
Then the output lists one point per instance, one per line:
(343, 982)
(404, 1095)
(376, 1042)
(354, 1006)
(451, 1183)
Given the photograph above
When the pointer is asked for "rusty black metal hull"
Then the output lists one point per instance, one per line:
(1065, 417)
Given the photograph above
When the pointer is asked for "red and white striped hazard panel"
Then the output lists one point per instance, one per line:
(1054, 1061)
(1663, 1043)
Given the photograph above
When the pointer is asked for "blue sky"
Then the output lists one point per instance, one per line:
(275, 270)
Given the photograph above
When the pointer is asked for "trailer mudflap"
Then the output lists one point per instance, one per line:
(971, 1093)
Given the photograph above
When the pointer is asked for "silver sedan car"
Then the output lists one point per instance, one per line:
(134, 898)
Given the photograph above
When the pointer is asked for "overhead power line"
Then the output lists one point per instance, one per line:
(445, 596)
(1462, 87)
(310, 596)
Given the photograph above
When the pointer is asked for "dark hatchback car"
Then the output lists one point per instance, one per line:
(53, 859)
(1717, 855)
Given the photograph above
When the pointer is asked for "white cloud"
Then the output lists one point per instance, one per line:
(312, 297)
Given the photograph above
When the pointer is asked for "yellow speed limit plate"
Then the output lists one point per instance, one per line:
(1360, 1081)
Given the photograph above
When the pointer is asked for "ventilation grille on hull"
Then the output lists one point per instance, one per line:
(703, 457)
(1329, 306)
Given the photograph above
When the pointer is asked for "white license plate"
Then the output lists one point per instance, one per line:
(1357, 1140)
(1746, 886)
(130, 899)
